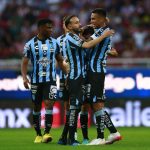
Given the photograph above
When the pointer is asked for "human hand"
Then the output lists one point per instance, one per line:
(108, 33)
(26, 83)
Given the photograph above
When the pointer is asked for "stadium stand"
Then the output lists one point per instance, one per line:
(129, 18)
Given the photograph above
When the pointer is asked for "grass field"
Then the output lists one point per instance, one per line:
(22, 139)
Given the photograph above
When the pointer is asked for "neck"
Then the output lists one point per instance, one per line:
(102, 25)
(74, 32)
(41, 37)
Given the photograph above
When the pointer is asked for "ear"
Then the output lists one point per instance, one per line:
(107, 20)
(69, 26)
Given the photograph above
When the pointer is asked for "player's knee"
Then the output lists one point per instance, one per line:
(48, 104)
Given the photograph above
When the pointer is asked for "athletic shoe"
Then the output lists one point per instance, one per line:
(85, 141)
(62, 141)
(47, 138)
(75, 143)
(113, 137)
(38, 139)
(76, 136)
(98, 141)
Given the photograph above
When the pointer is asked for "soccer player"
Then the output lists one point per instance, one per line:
(88, 31)
(75, 54)
(42, 51)
(63, 93)
(96, 72)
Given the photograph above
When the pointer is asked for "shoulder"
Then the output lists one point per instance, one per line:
(73, 36)
(60, 37)
(53, 40)
(30, 41)
(105, 28)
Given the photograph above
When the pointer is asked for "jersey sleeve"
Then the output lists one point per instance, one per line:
(27, 51)
(96, 34)
(75, 40)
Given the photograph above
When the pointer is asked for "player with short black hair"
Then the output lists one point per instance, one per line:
(42, 51)
(96, 72)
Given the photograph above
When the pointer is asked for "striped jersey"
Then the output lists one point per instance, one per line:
(75, 55)
(86, 59)
(62, 46)
(42, 55)
(98, 54)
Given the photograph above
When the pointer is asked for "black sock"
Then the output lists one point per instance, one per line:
(73, 116)
(100, 123)
(66, 127)
(48, 120)
(109, 123)
(84, 124)
(37, 122)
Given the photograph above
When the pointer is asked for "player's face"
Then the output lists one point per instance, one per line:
(46, 30)
(97, 20)
(75, 24)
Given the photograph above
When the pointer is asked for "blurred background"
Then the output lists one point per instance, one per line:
(128, 78)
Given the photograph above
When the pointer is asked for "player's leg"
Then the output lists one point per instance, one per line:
(114, 134)
(84, 122)
(76, 96)
(84, 111)
(65, 98)
(50, 93)
(97, 99)
(66, 127)
(36, 102)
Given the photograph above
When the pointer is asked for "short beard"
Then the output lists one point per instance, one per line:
(77, 31)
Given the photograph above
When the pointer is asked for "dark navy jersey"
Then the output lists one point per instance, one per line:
(75, 55)
(62, 46)
(98, 54)
(42, 55)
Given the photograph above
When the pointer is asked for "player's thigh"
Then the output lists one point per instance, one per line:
(97, 86)
(37, 96)
(75, 91)
(63, 93)
(50, 91)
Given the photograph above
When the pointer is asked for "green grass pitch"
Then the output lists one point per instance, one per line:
(22, 139)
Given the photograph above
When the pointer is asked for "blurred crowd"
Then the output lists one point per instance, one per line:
(129, 18)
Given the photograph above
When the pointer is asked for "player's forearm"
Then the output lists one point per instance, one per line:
(113, 52)
(24, 66)
(94, 42)
(63, 66)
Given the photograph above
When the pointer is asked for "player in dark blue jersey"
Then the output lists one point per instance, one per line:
(42, 50)
(96, 78)
(63, 93)
(75, 55)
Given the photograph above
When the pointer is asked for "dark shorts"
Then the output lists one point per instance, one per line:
(43, 91)
(96, 87)
(63, 93)
(75, 91)
(86, 87)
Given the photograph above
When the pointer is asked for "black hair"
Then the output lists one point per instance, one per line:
(64, 18)
(88, 30)
(100, 11)
(44, 21)
(68, 18)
